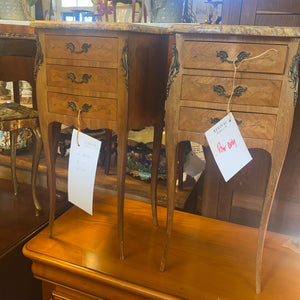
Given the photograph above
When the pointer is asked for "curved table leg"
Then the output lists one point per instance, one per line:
(13, 151)
(269, 197)
(172, 173)
(108, 141)
(35, 164)
(180, 155)
(50, 135)
(158, 130)
(121, 165)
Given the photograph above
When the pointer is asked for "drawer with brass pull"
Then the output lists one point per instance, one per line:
(82, 48)
(98, 108)
(220, 56)
(251, 125)
(82, 78)
(218, 89)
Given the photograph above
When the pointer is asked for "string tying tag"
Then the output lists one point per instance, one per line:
(232, 91)
(234, 75)
(78, 127)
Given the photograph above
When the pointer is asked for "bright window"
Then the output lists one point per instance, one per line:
(76, 10)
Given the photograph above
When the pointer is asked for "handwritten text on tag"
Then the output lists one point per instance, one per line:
(228, 147)
(82, 170)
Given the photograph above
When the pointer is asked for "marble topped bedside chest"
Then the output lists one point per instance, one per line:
(263, 101)
(115, 74)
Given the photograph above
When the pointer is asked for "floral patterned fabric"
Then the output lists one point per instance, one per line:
(23, 139)
(139, 160)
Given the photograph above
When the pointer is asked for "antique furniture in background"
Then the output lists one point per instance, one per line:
(118, 71)
(13, 117)
(208, 259)
(142, 9)
(203, 59)
(211, 17)
(17, 54)
(261, 12)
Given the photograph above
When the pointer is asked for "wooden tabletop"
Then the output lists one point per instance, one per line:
(16, 27)
(208, 259)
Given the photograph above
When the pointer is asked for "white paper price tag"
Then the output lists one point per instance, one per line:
(82, 170)
(228, 147)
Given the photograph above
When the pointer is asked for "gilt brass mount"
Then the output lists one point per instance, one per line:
(85, 107)
(216, 120)
(84, 79)
(237, 91)
(84, 48)
(294, 75)
(224, 57)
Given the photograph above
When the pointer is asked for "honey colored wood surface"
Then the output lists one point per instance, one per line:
(14, 28)
(258, 91)
(99, 49)
(102, 80)
(208, 259)
(252, 126)
(106, 109)
(198, 55)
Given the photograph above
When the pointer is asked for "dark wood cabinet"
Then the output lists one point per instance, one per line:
(262, 12)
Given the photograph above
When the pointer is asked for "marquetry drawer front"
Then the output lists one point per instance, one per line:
(251, 125)
(82, 48)
(101, 108)
(209, 56)
(81, 78)
(218, 89)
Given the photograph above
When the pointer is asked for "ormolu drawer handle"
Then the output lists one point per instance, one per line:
(85, 107)
(216, 120)
(84, 48)
(224, 56)
(84, 79)
(237, 91)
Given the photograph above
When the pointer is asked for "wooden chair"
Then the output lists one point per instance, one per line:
(142, 9)
(14, 116)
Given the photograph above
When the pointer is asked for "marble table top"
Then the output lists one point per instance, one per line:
(235, 29)
(165, 28)
(110, 26)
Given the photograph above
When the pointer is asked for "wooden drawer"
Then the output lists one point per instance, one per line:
(252, 91)
(204, 55)
(252, 125)
(63, 293)
(82, 78)
(82, 48)
(101, 108)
